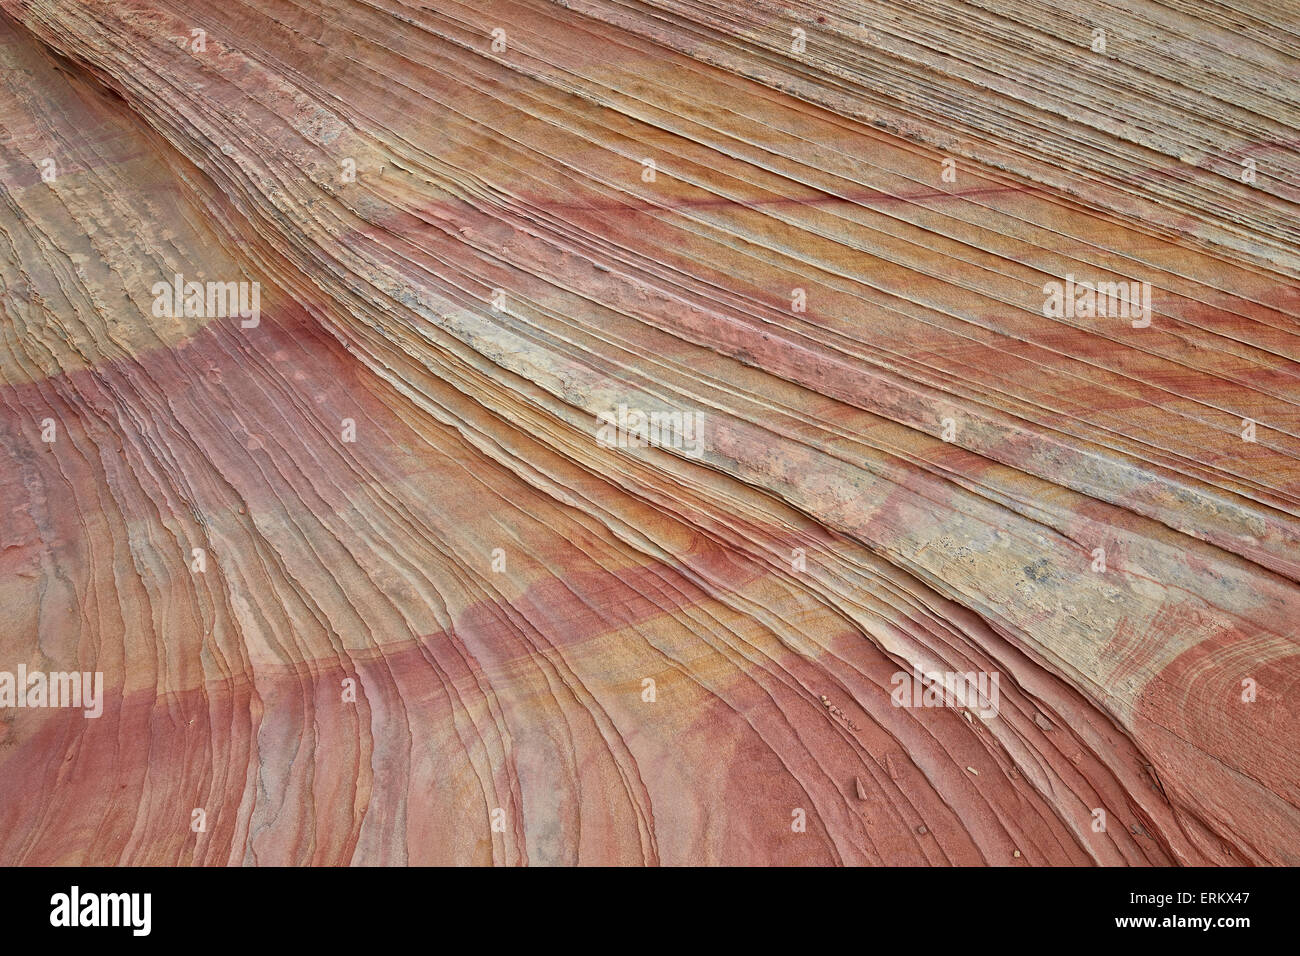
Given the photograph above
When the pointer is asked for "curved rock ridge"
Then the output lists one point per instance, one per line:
(931, 556)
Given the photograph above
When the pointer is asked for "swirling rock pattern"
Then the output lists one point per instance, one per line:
(434, 618)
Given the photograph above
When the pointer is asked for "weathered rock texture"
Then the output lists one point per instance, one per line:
(914, 472)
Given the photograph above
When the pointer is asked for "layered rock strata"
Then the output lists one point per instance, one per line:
(377, 572)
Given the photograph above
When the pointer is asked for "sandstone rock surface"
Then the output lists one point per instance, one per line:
(735, 211)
